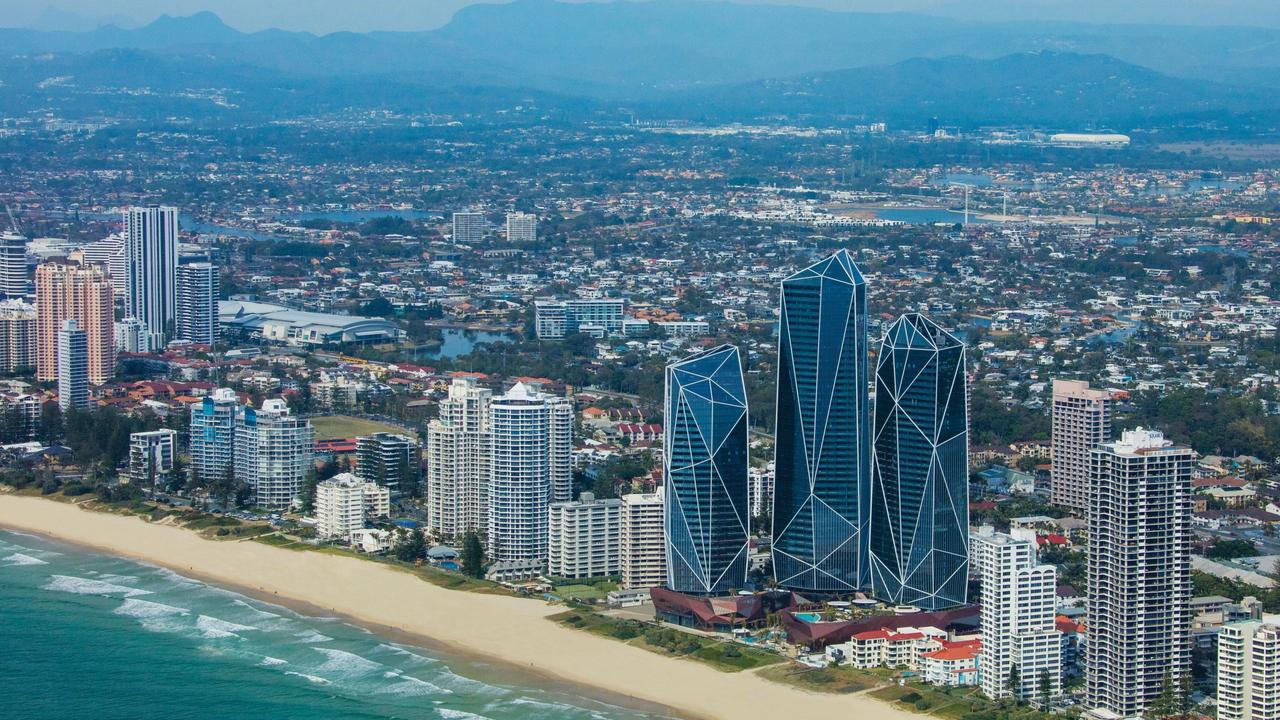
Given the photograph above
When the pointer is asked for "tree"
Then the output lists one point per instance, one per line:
(1183, 702)
(1166, 705)
(412, 548)
(472, 555)
(1014, 683)
(1046, 689)
(50, 429)
(309, 490)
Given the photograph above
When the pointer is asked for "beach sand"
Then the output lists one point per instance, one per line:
(510, 630)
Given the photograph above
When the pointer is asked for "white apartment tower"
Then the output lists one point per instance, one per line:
(213, 435)
(344, 502)
(522, 227)
(642, 541)
(151, 265)
(197, 303)
(583, 537)
(458, 461)
(273, 451)
(18, 336)
(15, 281)
(469, 228)
(151, 456)
(1081, 422)
(1018, 616)
(132, 336)
(73, 367)
(1139, 570)
(530, 466)
(108, 254)
(1249, 670)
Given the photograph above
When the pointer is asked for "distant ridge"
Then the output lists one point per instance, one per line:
(626, 49)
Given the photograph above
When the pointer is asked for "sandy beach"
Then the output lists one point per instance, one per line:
(507, 629)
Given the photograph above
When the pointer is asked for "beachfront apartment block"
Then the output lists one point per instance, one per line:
(1249, 670)
(273, 452)
(583, 537)
(1019, 630)
(919, 520)
(151, 457)
(530, 466)
(213, 435)
(1081, 422)
(458, 450)
(344, 503)
(822, 474)
(642, 553)
(555, 319)
(1139, 571)
(705, 463)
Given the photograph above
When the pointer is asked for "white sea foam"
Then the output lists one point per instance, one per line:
(132, 607)
(451, 714)
(313, 678)
(18, 559)
(552, 707)
(257, 612)
(269, 661)
(410, 686)
(311, 636)
(88, 586)
(454, 681)
(213, 628)
(343, 664)
(414, 657)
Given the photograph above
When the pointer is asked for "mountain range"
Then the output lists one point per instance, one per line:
(703, 59)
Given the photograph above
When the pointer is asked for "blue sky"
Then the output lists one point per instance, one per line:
(363, 15)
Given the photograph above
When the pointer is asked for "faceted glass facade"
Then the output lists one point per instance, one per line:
(919, 532)
(705, 459)
(823, 457)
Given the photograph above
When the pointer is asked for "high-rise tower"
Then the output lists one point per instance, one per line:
(705, 460)
(822, 476)
(919, 527)
(197, 303)
(1081, 422)
(1139, 570)
(151, 265)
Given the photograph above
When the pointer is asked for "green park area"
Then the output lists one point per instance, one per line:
(337, 427)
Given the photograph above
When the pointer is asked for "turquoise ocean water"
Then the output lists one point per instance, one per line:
(84, 635)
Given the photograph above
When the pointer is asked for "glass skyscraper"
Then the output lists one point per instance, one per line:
(919, 531)
(822, 476)
(705, 459)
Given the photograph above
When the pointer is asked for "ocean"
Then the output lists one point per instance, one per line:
(85, 635)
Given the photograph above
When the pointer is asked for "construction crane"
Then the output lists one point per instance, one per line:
(13, 222)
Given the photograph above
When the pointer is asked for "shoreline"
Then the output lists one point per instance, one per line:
(512, 633)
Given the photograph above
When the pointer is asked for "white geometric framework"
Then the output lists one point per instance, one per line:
(822, 482)
(919, 542)
(705, 460)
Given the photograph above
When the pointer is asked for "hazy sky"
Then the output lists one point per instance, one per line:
(362, 15)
